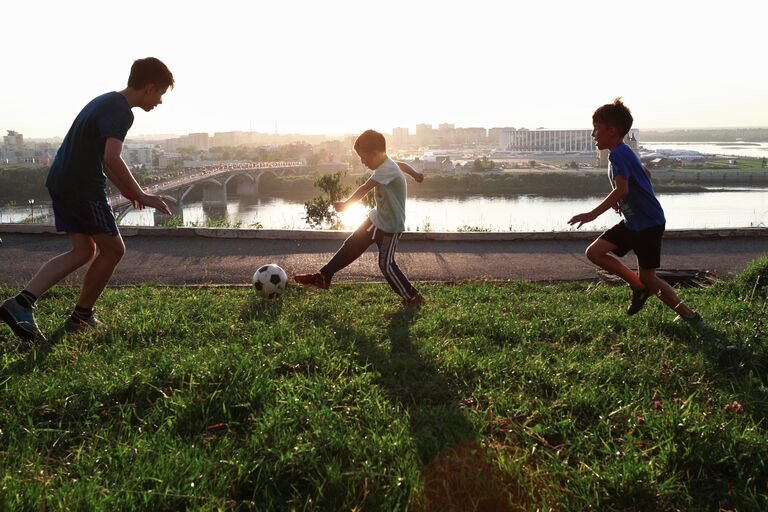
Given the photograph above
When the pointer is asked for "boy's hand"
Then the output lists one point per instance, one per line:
(582, 219)
(340, 206)
(152, 201)
(419, 177)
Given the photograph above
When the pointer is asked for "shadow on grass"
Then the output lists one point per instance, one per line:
(740, 371)
(33, 354)
(260, 309)
(458, 473)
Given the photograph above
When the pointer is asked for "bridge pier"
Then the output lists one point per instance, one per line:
(176, 218)
(214, 194)
(247, 188)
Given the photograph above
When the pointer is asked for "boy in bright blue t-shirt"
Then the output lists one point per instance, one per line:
(642, 228)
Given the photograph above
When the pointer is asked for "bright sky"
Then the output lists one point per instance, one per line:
(333, 66)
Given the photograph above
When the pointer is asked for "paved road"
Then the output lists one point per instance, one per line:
(178, 260)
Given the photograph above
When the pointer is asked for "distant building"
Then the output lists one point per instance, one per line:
(400, 138)
(494, 135)
(197, 140)
(138, 154)
(546, 141)
(13, 140)
(424, 134)
(631, 140)
(471, 136)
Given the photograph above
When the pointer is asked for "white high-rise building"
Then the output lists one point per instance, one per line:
(546, 141)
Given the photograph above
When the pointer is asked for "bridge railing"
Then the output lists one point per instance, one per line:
(194, 174)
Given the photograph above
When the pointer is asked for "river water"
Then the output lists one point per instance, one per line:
(741, 149)
(731, 208)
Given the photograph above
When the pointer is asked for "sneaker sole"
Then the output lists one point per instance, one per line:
(18, 331)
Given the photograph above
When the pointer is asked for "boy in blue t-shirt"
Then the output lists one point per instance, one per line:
(89, 154)
(642, 229)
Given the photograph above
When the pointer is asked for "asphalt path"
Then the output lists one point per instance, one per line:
(196, 260)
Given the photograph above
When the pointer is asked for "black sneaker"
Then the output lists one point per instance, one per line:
(696, 322)
(638, 300)
(79, 324)
(21, 320)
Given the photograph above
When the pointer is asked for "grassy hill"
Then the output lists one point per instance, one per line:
(494, 396)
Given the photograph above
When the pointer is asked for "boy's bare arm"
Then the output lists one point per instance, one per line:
(358, 194)
(119, 174)
(621, 190)
(410, 171)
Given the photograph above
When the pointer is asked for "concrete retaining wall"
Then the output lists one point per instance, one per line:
(301, 234)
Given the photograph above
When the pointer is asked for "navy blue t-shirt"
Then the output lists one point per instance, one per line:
(77, 172)
(640, 208)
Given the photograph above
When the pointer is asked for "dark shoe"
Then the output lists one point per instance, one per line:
(696, 322)
(317, 280)
(638, 300)
(415, 302)
(79, 325)
(21, 320)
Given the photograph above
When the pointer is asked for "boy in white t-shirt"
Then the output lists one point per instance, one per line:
(384, 225)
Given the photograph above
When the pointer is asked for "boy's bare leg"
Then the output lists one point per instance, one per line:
(664, 291)
(111, 251)
(599, 254)
(59, 267)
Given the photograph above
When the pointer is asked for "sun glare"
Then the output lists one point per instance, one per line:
(354, 216)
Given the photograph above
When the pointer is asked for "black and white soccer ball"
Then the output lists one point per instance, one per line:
(269, 281)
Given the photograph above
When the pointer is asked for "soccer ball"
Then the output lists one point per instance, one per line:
(269, 281)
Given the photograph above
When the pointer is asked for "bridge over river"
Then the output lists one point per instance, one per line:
(214, 182)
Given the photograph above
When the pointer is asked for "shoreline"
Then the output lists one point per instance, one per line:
(309, 234)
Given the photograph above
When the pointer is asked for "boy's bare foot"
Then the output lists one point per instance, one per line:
(316, 279)
(638, 300)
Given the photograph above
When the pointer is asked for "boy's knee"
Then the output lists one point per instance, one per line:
(593, 254)
(649, 278)
(85, 253)
(114, 252)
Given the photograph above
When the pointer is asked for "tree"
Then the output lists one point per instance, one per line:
(319, 210)
(368, 199)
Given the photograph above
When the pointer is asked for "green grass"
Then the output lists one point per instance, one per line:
(513, 396)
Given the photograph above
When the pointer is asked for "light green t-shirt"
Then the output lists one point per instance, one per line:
(390, 193)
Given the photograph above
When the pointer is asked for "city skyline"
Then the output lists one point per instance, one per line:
(331, 68)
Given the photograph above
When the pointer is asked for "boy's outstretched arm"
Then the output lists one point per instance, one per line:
(410, 171)
(621, 190)
(358, 194)
(119, 174)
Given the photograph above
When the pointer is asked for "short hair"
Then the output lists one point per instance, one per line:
(614, 114)
(370, 140)
(149, 71)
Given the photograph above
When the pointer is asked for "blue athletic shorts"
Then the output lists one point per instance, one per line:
(87, 217)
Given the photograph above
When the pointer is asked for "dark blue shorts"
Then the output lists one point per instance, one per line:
(646, 243)
(87, 217)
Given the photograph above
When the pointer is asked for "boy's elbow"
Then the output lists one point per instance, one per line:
(110, 162)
